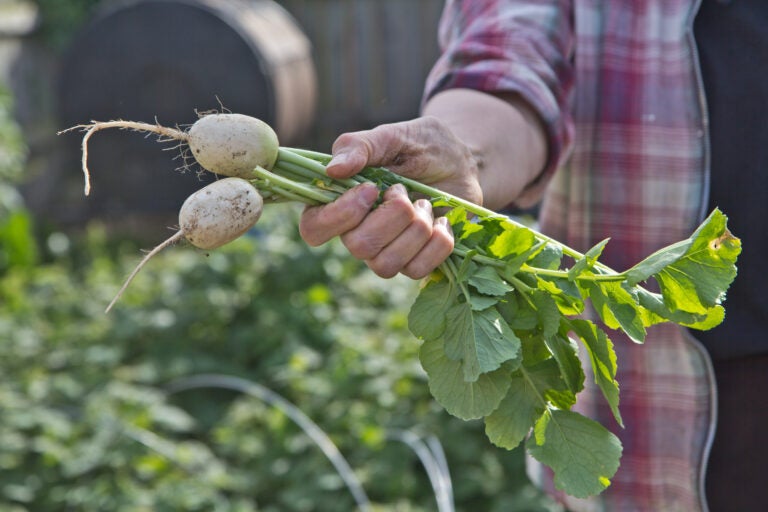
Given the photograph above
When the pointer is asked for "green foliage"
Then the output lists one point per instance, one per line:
(497, 317)
(88, 422)
(12, 148)
(18, 248)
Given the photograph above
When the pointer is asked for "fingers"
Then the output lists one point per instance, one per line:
(434, 252)
(423, 149)
(398, 236)
(383, 225)
(355, 150)
(401, 237)
(319, 224)
(417, 252)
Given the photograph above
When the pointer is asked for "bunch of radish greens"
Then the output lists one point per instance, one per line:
(501, 318)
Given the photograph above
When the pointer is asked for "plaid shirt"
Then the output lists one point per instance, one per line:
(617, 85)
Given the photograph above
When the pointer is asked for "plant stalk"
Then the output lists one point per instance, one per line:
(314, 161)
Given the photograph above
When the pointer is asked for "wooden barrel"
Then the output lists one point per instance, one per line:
(166, 60)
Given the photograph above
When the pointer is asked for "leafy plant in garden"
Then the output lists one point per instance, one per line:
(88, 421)
(501, 318)
(497, 323)
(18, 247)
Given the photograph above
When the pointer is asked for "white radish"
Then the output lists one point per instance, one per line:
(209, 218)
(233, 144)
(220, 212)
(226, 144)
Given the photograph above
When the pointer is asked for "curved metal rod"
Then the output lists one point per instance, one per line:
(432, 457)
(309, 427)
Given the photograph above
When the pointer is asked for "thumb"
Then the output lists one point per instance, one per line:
(354, 150)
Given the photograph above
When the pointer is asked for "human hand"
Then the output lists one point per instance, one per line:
(399, 235)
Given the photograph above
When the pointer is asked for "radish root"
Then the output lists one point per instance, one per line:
(164, 132)
(170, 241)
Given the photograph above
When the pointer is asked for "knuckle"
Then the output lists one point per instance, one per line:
(346, 139)
(419, 267)
(439, 248)
(386, 264)
(309, 231)
(422, 227)
(398, 206)
(308, 236)
(385, 271)
(361, 246)
(417, 270)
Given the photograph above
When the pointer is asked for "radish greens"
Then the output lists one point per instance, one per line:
(501, 319)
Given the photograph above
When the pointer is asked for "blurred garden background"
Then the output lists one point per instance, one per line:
(182, 398)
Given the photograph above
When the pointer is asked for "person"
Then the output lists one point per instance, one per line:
(628, 120)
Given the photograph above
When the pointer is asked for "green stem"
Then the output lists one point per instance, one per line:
(301, 174)
(312, 160)
(455, 201)
(615, 276)
(480, 258)
(323, 158)
(563, 274)
(307, 191)
(293, 197)
(312, 165)
(519, 285)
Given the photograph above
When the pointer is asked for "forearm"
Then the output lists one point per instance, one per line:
(504, 134)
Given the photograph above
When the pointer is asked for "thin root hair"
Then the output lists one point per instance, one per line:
(164, 134)
(168, 242)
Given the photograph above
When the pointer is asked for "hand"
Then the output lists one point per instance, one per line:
(400, 235)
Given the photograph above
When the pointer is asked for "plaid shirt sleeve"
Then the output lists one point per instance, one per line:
(512, 46)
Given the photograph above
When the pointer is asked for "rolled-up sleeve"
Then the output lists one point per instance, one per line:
(523, 47)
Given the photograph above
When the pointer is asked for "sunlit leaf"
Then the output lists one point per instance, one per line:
(463, 399)
(583, 454)
(698, 280)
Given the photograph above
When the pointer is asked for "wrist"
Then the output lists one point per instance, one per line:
(504, 135)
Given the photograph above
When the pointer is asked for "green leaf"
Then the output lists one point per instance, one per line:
(550, 257)
(509, 424)
(698, 280)
(463, 228)
(466, 266)
(525, 402)
(565, 293)
(657, 261)
(518, 312)
(481, 340)
(617, 308)
(515, 263)
(487, 281)
(566, 354)
(465, 400)
(657, 312)
(603, 360)
(547, 312)
(583, 454)
(512, 241)
(481, 302)
(459, 340)
(18, 247)
(426, 318)
(586, 263)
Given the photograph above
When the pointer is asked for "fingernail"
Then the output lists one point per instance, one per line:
(399, 188)
(369, 193)
(423, 204)
(339, 159)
